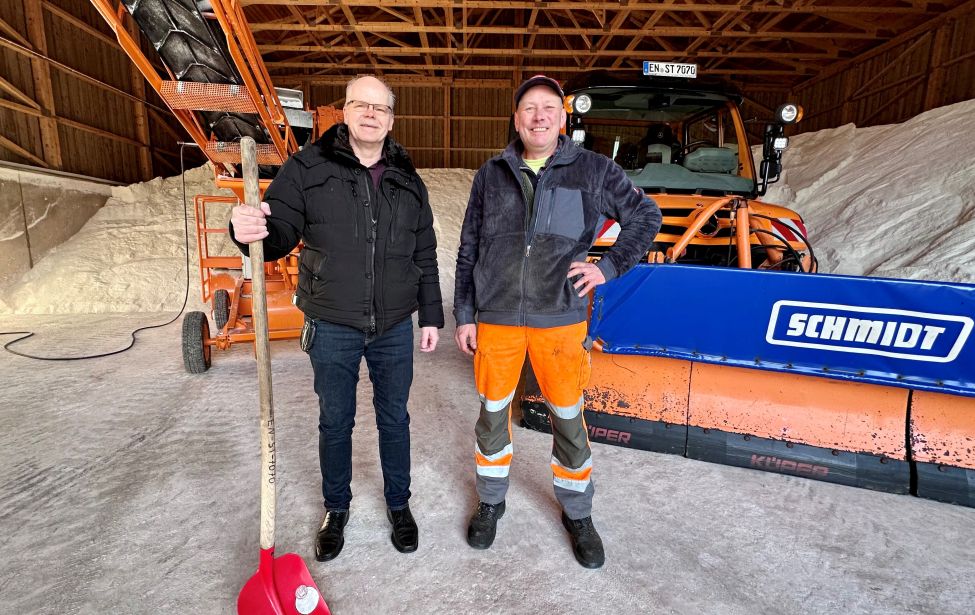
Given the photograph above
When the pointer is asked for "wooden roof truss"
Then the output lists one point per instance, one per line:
(778, 43)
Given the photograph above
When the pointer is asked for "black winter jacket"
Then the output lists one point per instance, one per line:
(352, 271)
(511, 270)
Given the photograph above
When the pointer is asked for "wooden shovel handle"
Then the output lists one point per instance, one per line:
(252, 198)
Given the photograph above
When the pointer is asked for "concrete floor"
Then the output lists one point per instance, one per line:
(130, 486)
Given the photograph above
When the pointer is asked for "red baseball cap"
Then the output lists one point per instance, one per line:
(538, 80)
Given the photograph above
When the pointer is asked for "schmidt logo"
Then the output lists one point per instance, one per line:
(918, 336)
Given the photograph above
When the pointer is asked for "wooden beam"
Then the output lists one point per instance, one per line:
(301, 19)
(893, 84)
(666, 31)
(647, 26)
(338, 66)
(889, 100)
(848, 113)
(12, 32)
(895, 63)
(161, 119)
(418, 19)
(79, 125)
(17, 93)
(446, 126)
(31, 110)
(7, 44)
(358, 33)
(588, 7)
(140, 116)
(78, 23)
(43, 91)
(547, 53)
(166, 163)
(10, 145)
(763, 107)
(100, 132)
(936, 22)
(936, 69)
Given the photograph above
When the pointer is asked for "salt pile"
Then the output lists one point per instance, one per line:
(894, 201)
(129, 257)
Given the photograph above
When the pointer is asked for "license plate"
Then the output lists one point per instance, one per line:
(670, 69)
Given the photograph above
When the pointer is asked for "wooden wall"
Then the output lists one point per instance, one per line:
(71, 100)
(443, 124)
(930, 67)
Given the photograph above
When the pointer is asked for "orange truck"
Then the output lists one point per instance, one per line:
(747, 361)
(685, 144)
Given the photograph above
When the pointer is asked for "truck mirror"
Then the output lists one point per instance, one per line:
(773, 144)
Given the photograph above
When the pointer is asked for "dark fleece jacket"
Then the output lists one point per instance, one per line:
(513, 259)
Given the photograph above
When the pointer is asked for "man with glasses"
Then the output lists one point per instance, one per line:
(369, 261)
(521, 286)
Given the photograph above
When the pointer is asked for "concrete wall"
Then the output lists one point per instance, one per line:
(39, 211)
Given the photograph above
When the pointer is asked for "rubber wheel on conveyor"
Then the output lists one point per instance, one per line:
(221, 308)
(197, 352)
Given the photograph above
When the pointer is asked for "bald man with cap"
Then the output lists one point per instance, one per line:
(522, 286)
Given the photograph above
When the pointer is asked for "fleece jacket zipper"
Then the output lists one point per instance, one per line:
(529, 194)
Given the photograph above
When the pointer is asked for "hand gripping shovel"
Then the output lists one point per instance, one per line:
(282, 585)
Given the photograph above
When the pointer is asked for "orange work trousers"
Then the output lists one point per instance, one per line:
(561, 362)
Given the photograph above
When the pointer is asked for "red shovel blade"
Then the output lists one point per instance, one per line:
(281, 586)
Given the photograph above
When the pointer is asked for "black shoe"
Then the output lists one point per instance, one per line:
(405, 536)
(484, 525)
(587, 546)
(331, 537)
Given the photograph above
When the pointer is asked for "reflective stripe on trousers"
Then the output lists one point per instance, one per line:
(561, 365)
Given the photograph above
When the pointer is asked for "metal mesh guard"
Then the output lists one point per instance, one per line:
(206, 97)
(219, 151)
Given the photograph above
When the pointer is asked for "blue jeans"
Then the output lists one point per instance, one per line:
(335, 354)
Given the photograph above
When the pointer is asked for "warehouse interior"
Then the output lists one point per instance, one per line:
(133, 485)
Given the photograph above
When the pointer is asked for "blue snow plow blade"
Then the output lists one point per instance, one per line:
(904, 333)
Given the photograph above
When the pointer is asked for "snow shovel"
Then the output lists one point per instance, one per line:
(282, 585)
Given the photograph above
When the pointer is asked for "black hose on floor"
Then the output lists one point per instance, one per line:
(186, 292)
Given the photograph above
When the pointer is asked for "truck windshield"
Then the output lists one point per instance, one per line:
(668, 142)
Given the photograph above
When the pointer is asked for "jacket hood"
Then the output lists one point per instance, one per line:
(334, 145)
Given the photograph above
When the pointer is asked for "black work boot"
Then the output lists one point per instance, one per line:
(484, 524)
(587, 546)
(331, 536)
(405, 535)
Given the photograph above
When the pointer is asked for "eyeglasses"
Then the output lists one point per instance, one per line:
(359, 106)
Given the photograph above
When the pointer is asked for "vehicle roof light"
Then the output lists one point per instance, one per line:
(789, 113)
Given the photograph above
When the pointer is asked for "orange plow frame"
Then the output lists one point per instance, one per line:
(845, 423)
(899, 440)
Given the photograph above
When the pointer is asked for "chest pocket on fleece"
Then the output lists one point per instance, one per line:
(560, 213)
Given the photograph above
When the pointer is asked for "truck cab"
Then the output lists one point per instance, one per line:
(685, 144)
